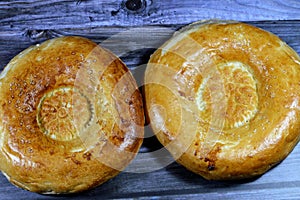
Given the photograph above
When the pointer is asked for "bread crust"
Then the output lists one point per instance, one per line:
(223, 98)
(72, 116)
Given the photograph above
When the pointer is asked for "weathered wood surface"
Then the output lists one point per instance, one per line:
(129, 39)
(282, 182)
(134, 35)
(56, 14)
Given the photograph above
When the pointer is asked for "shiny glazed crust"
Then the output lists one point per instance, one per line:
(72, 117)
(223, 98)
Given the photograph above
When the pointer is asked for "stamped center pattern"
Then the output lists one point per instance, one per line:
(240, 93)
(63, 113)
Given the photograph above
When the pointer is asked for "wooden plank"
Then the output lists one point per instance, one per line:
(174, 181)
(40, 14)
(134, 35)
(135, 45)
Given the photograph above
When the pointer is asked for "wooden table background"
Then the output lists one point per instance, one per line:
(23, 23)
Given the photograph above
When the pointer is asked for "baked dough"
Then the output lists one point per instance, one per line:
(223, 98)
(72, 116)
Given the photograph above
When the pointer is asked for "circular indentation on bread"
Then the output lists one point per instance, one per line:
(64, 112)
(240, 93)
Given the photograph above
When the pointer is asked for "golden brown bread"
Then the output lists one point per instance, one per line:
(72, 116)
(223, 97)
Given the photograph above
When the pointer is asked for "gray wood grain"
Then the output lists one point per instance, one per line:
(134, 35)
(143, 38)
(40, 14)
(135, 45)
(282, 182)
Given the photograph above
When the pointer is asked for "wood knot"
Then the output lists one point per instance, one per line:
(134, 5)
(38, 34)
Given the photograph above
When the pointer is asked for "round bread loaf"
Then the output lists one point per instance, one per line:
(72, 116)
(223, 98)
